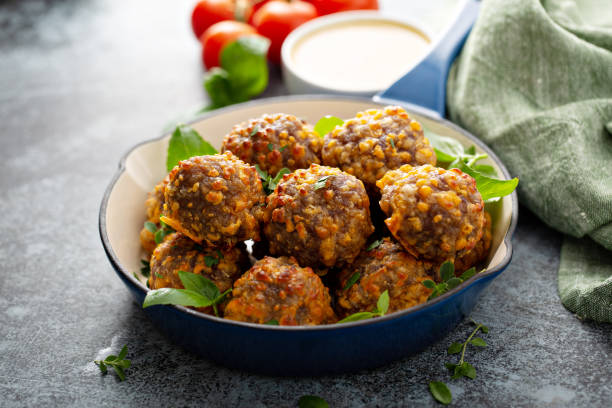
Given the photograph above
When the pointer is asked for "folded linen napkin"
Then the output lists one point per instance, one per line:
(534, 81)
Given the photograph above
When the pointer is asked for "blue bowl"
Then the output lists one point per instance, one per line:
(282, 350)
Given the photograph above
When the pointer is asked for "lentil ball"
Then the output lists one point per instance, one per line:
(434, 213)
(275, 141)
(320, 215)
(179, 253)
(215, 199)
(279, 289)
(376, 141)
(153, 206)
(386, 267)
(479, 253)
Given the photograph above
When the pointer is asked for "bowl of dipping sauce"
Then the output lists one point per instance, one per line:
(352, 53)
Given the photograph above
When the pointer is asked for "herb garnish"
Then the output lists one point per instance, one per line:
(312, 401)
(145, 270)
(392, 142)
(269, 183)
(451, 154)
(326, 124)
(439, 390)
(271, 147)
(118, 363)
(160, 233)
(381, 309)
(320, 183)
(211, 261)
(184, 143)
(449, 280)
(374, 244)
(351, 281)
(272, 322)
(199, 292)
(255, 131)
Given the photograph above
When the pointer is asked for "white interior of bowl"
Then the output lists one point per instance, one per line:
(145, 167)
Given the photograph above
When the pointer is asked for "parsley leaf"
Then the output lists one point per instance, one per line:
(320, 183)
(449, 280)
(269, 183)
(326, 124)
(118, 363)
(184, 143)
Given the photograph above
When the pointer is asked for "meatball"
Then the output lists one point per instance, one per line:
(386, 267)
(376, 141)
(279, 289)
(179, 253)
(153, 205)
(215, 199)
(275, 141)
(479, 253)
(320, 215)
(434, 213)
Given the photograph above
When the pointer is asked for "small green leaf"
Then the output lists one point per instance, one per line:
(263, 175)
(119, 372)
(184, 143)
(351, 281)
(383, 303)
(312, 401)
(453, 283)
(392, 142)
(446, 148)
(151, 227)
(247, 67)
(428, 283)
(455, 348)
(218, 87)
(358, 316)
(468, 370)
(272, 322)
(210, 261)
(320, 183)
(468, 274)
(279, 176)
(450, 366)
(447, 270)
(443, 157)
(123, 352)
(488, 187)
(102, 366)
(457, 372)
(171, 296)
(485, 169)
(374, 244)
(283, 148)
(255, 131)
(326, 124)
(440, 392)
(198, 283)
(484, 329)
(471, 150)
(477, 341)
(110, 358)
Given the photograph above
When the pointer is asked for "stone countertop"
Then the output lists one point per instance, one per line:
(83, 81)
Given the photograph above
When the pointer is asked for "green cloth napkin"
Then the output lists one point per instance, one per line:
(534, 81)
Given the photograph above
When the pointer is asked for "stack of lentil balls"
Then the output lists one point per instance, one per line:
(312, 231)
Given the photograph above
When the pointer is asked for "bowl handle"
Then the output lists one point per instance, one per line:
(425, 84)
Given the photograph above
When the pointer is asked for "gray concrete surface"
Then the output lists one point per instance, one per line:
(81, 82)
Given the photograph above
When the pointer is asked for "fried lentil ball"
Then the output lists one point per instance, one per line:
(279, 289)
(434, 213)
(320, 215)
(479, 253)
(275, 141)
(179, 253)
(153, 205)
(215, 199)
(376, 141)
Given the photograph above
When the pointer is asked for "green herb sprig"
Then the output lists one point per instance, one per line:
(381, 309)
(312, 401)
(351, 281)
(326, 124)
(118, 363)
(184, 143)
(320, 183)
(145, 269)
(211, 260)
(268, 182)
(449, 280)
(451, 154)
(160, 233)
(199, 292)
(374, 244)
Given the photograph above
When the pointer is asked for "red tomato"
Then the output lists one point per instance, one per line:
(333, 6)
(209, 12)
(218, 35)
(276, 19)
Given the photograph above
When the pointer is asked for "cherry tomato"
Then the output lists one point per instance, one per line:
(209, 12)
(276, 19)
(218, 35)
(334, 6)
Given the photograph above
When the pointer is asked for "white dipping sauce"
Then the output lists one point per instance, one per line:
(363, 55)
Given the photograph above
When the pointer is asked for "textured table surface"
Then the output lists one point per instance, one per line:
(83, 81)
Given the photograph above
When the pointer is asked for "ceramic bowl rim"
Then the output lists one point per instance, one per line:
(490, 273)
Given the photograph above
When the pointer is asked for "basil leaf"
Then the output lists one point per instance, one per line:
(326, 124)
(485, 169)
(199, 284)
(247, 67)
(440, 392)
(446, 148)
(218, 88)
(185, 143)
(383, 303)
(312, 401)
(351, 281)
(171, 296)
(357, 316)
(489, 187)
(447, 270)
(454, 348)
